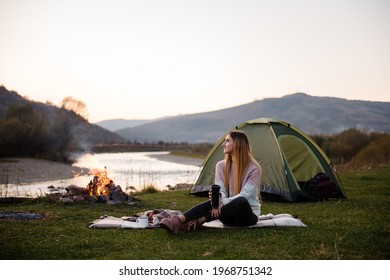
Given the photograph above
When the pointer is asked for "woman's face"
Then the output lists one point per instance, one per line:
(228, 145)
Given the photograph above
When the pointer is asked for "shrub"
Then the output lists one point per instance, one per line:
(147, 189)
(375, 154)
(343, 147)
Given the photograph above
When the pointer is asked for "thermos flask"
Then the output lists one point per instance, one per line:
(215, 196)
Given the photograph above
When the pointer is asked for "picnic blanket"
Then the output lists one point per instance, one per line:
(155, 216)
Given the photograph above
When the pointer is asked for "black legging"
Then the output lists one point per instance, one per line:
(236, 213)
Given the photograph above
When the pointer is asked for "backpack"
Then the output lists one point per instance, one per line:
(320, 187)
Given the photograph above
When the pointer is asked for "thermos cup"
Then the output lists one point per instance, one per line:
(215, 196)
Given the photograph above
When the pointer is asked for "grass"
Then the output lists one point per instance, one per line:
(353, 229)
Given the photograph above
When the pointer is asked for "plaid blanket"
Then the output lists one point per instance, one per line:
(155, 216)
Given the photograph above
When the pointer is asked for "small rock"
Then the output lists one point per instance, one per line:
(66, 200)
(78, 198)
(92, 198)
(118, 196)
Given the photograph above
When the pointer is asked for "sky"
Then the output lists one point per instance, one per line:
(148, 59)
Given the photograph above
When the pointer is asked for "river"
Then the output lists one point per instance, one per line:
(137, 170)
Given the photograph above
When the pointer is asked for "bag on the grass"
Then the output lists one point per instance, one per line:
(319, 187)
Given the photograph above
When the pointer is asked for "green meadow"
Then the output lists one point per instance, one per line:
(357, 228)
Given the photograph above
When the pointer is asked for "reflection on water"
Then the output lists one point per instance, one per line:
(125, 169)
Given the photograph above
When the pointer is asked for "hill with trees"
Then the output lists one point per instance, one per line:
(29, 128)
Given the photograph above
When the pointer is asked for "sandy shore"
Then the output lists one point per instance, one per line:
(28, 170)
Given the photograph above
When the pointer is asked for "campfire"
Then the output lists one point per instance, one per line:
(100, 189)
(100, 184)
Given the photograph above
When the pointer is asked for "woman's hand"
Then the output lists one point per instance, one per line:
(216, 212)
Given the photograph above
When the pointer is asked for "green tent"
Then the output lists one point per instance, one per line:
(289, 160)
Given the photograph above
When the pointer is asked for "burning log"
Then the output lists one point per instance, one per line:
(100, 184)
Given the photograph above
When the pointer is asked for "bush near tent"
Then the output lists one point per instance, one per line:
(293, 166)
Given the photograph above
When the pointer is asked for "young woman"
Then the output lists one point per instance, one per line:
(239, 178)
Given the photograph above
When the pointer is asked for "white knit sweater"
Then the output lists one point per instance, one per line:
(249, 189)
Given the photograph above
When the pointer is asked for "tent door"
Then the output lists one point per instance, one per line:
(300, 159)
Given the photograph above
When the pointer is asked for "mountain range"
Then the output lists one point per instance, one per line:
(117, 124)
(311, 114)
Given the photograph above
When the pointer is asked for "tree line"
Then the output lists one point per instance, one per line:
(356, 148)
(27, 132)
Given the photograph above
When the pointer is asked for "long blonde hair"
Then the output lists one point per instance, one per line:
(242, 156)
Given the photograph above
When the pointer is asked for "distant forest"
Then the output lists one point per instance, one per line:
(354, 148)
(26, 133)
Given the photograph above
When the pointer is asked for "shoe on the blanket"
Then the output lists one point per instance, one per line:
(193, 225)
(172, 224)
